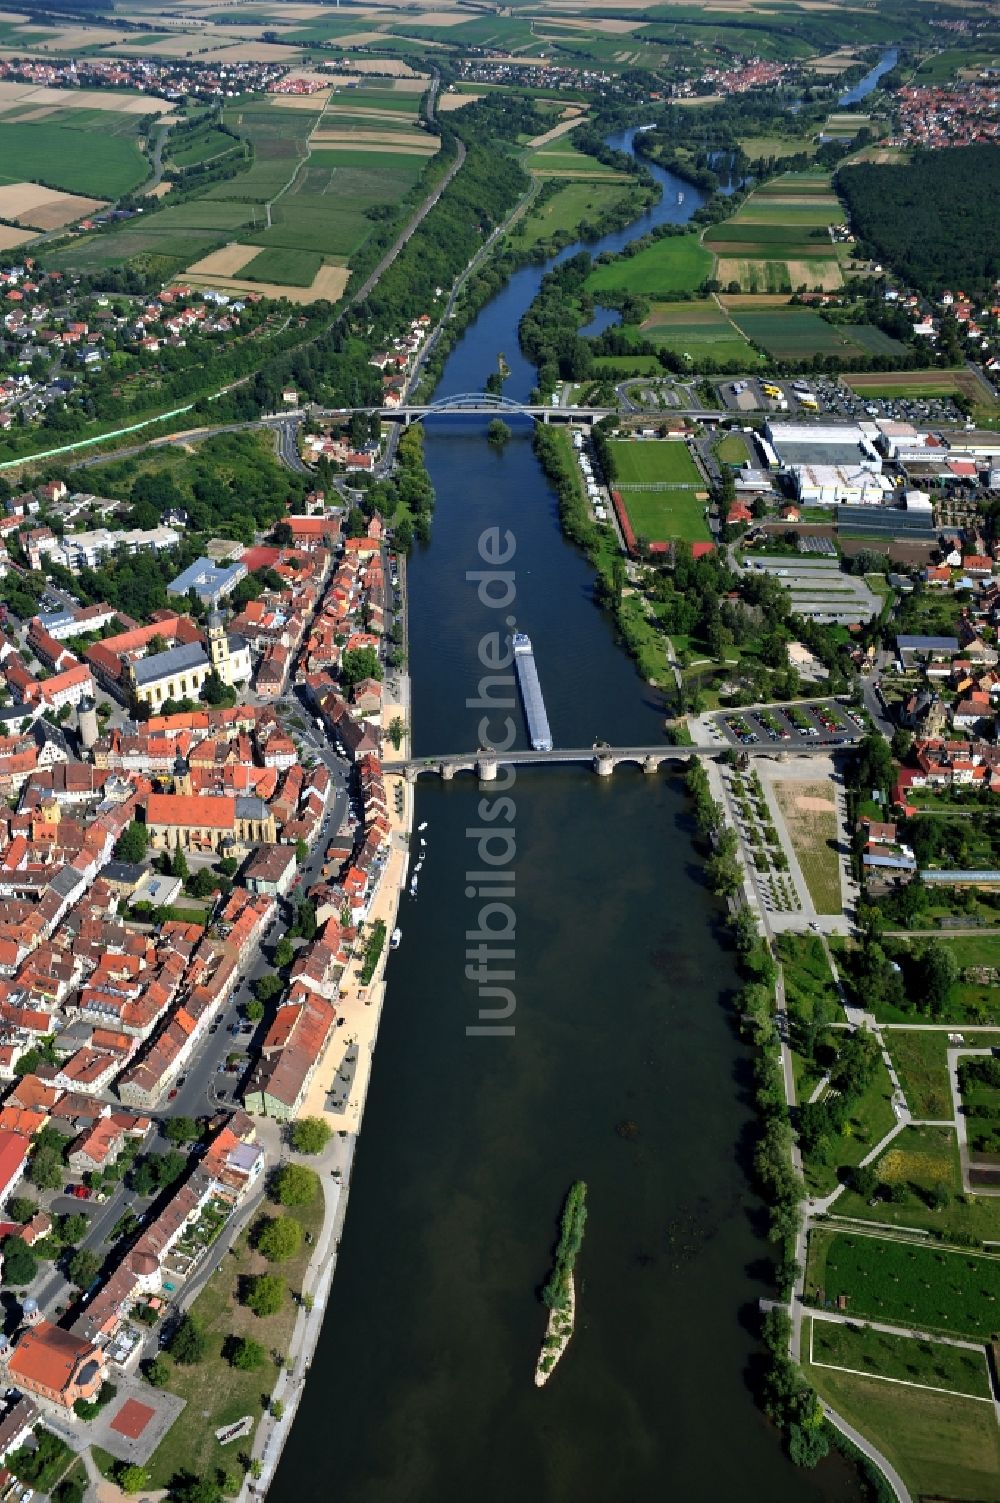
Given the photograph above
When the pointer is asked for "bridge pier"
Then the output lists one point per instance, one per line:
(447, 771)
(410, 774)
(486, 767)
(604, 765)
(650, 764)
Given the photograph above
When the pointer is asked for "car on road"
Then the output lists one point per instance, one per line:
(172, 1094)
(80, 1191)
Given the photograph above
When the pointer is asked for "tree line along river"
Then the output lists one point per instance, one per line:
(623, 1070)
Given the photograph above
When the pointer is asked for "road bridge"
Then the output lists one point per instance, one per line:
(478, 403)
(601, 757)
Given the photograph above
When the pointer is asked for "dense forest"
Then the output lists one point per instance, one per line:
(935, 222)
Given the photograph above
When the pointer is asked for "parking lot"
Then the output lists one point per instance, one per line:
(792, 727)
(834, 399)
(819, 588)
(751, 396)
(843, 402)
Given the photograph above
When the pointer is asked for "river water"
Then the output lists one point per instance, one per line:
(623, 1070)
(869, 83)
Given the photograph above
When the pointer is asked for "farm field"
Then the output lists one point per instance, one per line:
(677, 263)
(43, 208)
(765, 236)
(912, 1284)
(756, 274)
(294, 268)
(202, 146)
(929, 1364)
(319, 195)
(77, 161)
(943, 1446)
(777, 240)
(651, 461)
(699, 329)
(111, 106)
(799, 333)
(560, 158)
(775, 146)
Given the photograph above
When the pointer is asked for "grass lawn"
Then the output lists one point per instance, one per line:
(100, 166)
(662, 515)
(677, 263)
(942, 1446)
(922, 1067)
(906, 1283)
(574, 203)
(811, 819)
(870, 1353)
(217, 1393)
(871, 1118)
(921, 1159)
(732, 449)
(646, 461)
(811, 998)
(628, 365)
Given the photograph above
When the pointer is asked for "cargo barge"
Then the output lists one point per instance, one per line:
(531, 693)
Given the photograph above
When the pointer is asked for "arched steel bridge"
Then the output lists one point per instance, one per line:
(478, 403)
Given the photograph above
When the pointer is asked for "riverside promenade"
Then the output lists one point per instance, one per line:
(338, 1093)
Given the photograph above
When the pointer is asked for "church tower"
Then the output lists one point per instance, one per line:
(181, 776)
(218, 646)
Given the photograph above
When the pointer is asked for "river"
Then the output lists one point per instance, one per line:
(623, 1070)
(869, 83)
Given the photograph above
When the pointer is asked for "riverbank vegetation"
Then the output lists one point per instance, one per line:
(785, 1394)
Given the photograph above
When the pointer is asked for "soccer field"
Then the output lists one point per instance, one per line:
(645, 461)
(660, 516)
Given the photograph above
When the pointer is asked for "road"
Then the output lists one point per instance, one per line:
(206, 1089)
(875, 706)
(287, 444)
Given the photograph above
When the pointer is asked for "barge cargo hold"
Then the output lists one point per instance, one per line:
(531, 693)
